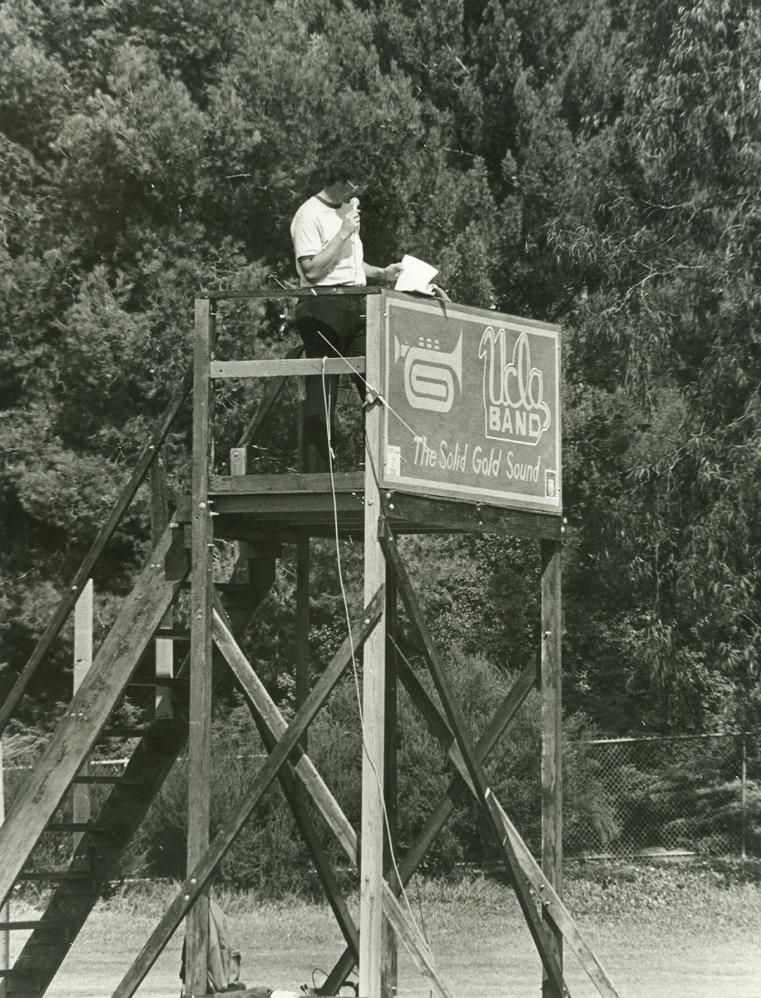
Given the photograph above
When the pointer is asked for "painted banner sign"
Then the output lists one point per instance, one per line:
(473, 404)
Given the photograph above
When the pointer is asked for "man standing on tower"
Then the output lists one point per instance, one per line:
(328, 251)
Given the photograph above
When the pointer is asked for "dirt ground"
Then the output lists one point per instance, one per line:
(655, 941)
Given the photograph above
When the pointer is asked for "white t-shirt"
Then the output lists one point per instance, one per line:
(312, 228)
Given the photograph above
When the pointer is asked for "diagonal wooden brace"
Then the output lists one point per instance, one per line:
(200, 877)
(331, 811)
(556, 909)
(540, 934)
(460, 783)
(551, 902)
(456, 790)
(222, 632)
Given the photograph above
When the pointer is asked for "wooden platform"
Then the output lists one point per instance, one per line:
(277, 507)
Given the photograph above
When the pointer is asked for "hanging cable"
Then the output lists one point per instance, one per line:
(369, 387)
(422, 941)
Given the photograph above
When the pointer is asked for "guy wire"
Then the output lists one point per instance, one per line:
(369, 387)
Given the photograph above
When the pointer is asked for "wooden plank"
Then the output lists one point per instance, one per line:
(302, 620)
(299, 510)
(150, 763)
(83, 618)
(552, 741)
(66, 604)
(199, 878)
(302, 576)
(454, 515)
(271, 394)
(282, 485)
(542, 939)
(331, 292)
(454, 793)
(117, 658)
(164, 650)
(281, 367)
(202, 584)
(373, 699)
(324, 801)
(120, 814)
(558, 912)
(238, 461)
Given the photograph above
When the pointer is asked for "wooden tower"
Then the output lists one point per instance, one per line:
(461, 434)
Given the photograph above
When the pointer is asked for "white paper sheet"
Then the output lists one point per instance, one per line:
(415, 275)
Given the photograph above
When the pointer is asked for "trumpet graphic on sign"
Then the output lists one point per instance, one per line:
(429, 373)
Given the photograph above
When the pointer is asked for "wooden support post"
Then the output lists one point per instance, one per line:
(238, 467)
(389, 972)
(373, 695)
(200, 876)
(164, 647)
(456, 790)
(199, 741)
(322, 798)
(302, 577)
(552, 743)
(302, 619)
(475, 770)
(83, 617)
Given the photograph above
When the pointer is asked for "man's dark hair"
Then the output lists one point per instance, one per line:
(343, 165)
(339, 175)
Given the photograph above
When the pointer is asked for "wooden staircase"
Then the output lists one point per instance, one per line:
(152, 747)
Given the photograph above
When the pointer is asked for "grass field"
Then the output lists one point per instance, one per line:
(676, 932)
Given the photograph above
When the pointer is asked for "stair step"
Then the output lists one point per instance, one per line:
(163, 681)
(79, 826)
(125, 781)
(59, 876)
(127, 731)
(39, 924)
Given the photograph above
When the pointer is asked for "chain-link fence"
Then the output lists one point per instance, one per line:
(698, 795)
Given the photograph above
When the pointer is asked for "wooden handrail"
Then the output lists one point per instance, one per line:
(341, 290)
(143, 465)
(68, 601)
(278, 367)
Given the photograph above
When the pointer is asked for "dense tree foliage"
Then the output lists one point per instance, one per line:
(597, 164)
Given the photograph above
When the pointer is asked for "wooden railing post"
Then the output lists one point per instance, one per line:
(199, 742)
(83, 621)
(552, 740)
(164, 646)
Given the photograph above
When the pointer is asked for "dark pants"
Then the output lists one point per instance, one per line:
(330, 327)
